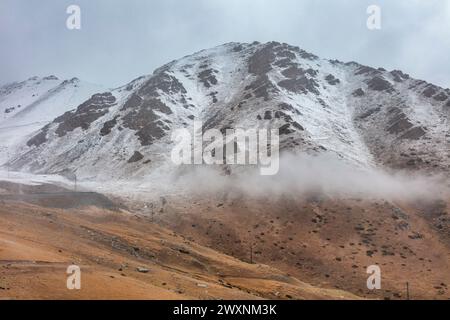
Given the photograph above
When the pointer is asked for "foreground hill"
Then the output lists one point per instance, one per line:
(326, 241)
(121, 255)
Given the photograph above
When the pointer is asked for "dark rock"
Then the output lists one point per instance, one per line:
(108, 125)
(440, 97)
(306, 55)
(429, 91)
(262, 87)
(399, 76)
(260, 62)
(284, 63)
(300, 85)
(358, 92)
(51, 77)
(268, 115)
(311, 72)
(88, 112)
(399, 122)
(298, 126)
(285, 129)
(293, 72)
(238, 48)
(213, 95)
(414, 133)
(161, 81)
(415, 236)
(332, 80)
(143, 119)
(183, 251)
(40, 138)
(370, 112)
(207, 77)
(137, 156)
(286, 107)
(146, 124)
(365, 70)
(399, 126)
(380, 84)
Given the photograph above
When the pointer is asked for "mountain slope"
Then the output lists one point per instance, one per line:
(29, 105)
(122, 256)
(366, 116)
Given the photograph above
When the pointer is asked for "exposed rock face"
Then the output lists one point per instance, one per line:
(332, 80)
(143, 119)
(429, 91)
(108, 126)
(51, 77)
(399, 76)
(145, 106)
(440, 97)
(137, 156)
(207, 77)
(39, 139)
(364, 115)
(380, 84)
(414, 133)
(367, 71)
(358, 92)
(398, 122)
(300, 85)
(88, 112)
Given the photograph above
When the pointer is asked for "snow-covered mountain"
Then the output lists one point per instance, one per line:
(364, 115)
(29, 105)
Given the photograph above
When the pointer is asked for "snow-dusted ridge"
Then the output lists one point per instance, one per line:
(27, 106)
(366, 116)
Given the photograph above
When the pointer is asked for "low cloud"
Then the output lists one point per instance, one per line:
(306, 175)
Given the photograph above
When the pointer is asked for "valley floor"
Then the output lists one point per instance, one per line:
(232, 248)
(124, 256)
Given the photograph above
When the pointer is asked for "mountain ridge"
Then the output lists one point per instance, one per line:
(366, 116)
(28, 105)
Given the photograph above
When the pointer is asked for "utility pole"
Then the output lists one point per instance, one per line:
(407, 290)
(75, 187)
(153, 212)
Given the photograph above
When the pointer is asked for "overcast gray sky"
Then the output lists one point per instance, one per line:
(122, 39)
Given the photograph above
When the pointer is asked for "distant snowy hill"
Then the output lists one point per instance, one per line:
(29, 105)
(363, 115)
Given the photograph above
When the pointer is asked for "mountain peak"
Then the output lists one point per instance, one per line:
(51, 77)
(363, 115)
